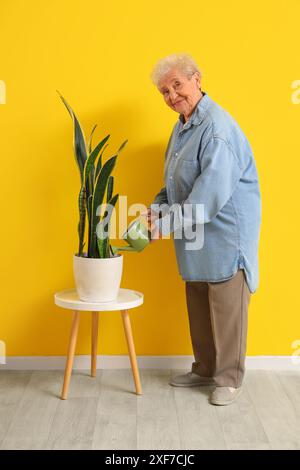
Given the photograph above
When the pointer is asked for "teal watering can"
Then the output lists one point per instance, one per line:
(137, 236)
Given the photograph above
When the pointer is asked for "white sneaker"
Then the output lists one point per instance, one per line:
(225, 395)
(191, 380)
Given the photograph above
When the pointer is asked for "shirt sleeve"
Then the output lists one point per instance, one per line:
(220, 173)
(161, 197)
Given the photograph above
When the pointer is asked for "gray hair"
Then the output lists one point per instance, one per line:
(184, 62)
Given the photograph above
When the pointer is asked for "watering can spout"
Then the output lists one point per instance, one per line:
(115, 249)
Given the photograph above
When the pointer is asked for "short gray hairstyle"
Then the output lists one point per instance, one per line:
(184, 62)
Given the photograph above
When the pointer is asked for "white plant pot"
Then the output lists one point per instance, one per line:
(97, 279)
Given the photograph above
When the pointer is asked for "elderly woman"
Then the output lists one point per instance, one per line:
(209, 164)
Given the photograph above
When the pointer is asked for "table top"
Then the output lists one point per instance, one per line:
(126, 299)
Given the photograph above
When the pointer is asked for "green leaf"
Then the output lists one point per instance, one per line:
(122, 146)
(103, 229)
(89, 164)
(81, 223)
(99, 162)
(110, 188)
(78, 139)
(89, 144)
(99, 191)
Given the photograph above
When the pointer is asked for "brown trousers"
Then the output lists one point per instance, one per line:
(218, 317)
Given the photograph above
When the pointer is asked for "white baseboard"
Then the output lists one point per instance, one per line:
(144, 362)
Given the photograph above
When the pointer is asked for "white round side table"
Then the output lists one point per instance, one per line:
(126, 300)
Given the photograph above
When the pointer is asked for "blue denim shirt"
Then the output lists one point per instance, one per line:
(209, 161)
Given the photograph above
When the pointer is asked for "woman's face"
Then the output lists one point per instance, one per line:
(180, 92)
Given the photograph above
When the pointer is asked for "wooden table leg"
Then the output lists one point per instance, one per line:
(131, 349)
(71, 352)
(95, 321)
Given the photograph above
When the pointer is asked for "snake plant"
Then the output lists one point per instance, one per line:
(96, 181)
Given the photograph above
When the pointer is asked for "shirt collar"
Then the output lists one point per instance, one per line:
(198, 113)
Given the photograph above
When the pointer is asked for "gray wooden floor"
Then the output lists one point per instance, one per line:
(105, 413)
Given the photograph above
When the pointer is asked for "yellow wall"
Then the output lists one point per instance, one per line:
(99, 55)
